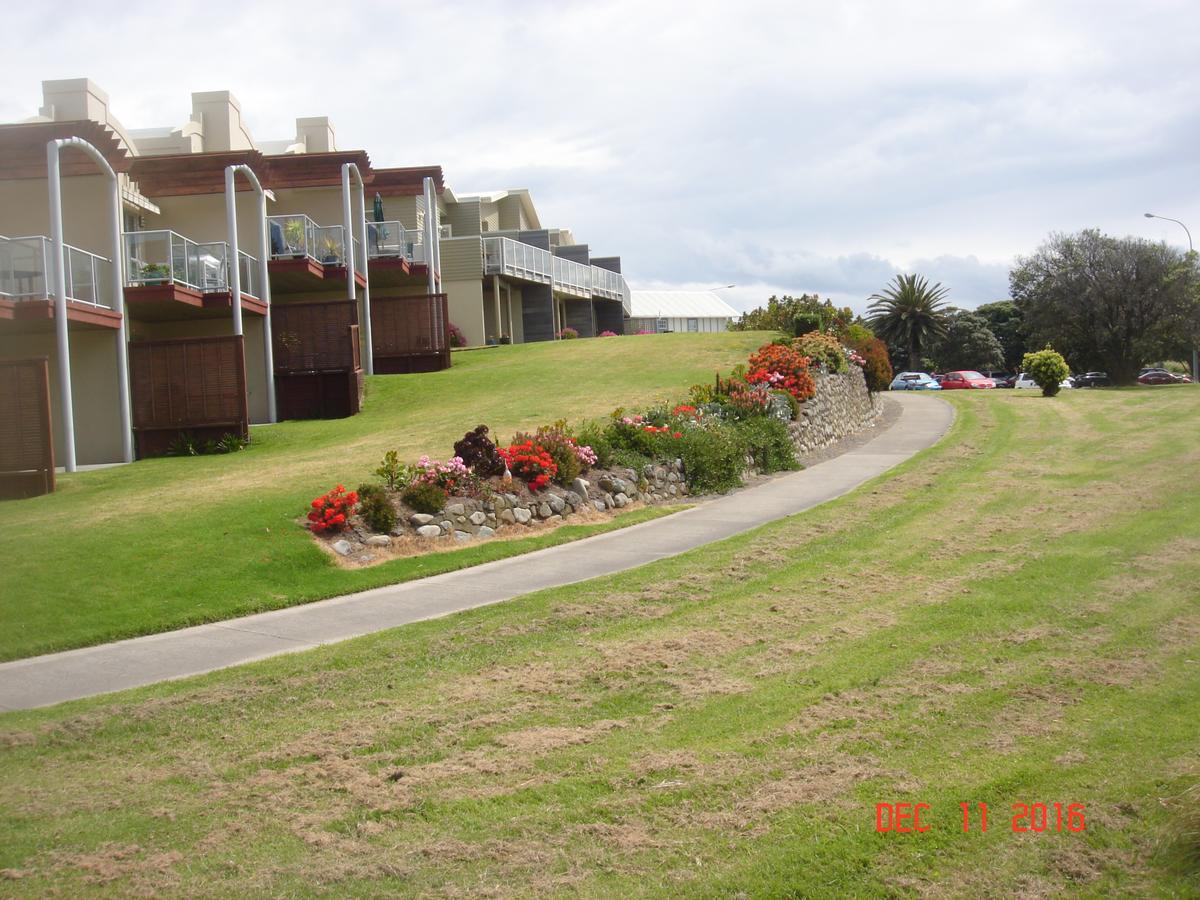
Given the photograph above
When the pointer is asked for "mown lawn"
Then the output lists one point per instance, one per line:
(171, 542)
(1010, 617)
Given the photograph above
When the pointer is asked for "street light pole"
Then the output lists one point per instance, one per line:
(1191, 250)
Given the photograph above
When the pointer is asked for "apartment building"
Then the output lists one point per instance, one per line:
(212, 280)
(149, 289)
(509, 278)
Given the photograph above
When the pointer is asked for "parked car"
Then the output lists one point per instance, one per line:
(1184, 379)
(1157, 376)
(1025, 381)
(1091, 380)
(966, 379)
(915, 381)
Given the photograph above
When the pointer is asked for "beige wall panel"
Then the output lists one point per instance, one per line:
(462, 259)
(465, 302)
(95, 400)
(25, 210)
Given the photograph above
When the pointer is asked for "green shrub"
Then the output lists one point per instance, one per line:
(395, 474)
(806, 321)
(713, 456)
(1046, 367)
(769, 443)
(375, 508)
(628, 459)
(425, 498)
(824, 349)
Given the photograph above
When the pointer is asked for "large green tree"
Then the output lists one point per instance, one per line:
(967, 343)
(1108, 303)
(909, 313)
(1004, 319)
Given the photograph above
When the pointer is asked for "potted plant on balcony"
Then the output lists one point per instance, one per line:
(330, 251)
(293, 234)
(152, 273)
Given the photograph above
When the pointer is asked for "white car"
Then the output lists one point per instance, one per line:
(1025, 380)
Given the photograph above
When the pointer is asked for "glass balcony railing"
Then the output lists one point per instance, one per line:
(391, 240)
(606, 284)
(248, 275)
(27, 269)
(572, 278)
(504, 256)
(165, 257)
(298, 236)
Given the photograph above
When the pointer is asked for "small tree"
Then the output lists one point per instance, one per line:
(1046, 367)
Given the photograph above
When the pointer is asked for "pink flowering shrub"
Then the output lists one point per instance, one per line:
(608, 334)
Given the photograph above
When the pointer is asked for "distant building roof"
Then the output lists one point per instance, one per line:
(680, 305)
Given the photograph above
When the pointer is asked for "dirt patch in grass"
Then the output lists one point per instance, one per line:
(147, 871)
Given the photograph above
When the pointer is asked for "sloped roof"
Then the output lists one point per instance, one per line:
(680, 305)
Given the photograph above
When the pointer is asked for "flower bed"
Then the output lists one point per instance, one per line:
(751, 422)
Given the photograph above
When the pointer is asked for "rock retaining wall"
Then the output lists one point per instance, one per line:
(840, 406)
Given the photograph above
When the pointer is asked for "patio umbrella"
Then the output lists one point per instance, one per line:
(378, 234)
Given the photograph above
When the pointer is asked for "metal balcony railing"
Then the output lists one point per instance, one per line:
(27, 269)
(298, 236)
(504, 256)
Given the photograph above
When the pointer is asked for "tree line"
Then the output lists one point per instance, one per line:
(1105, 303)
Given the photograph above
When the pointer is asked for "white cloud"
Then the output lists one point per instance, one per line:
(788, 148)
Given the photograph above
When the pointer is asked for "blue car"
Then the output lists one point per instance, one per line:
(915, 381)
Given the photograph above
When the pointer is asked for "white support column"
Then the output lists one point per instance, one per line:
(63, 346)
(264, 271)
(235, 270)
(350, 231)
(432, 261)
(264, 282)
(62, 341)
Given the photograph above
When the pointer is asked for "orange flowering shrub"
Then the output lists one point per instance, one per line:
(781, 368)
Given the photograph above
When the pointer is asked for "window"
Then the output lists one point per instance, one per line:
(693, 325)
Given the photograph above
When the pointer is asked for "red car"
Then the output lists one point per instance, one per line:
(965, 380)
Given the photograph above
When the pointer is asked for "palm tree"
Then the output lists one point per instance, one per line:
(909, 313)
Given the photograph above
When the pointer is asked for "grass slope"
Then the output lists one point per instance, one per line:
(172, 542)
(1010, 617)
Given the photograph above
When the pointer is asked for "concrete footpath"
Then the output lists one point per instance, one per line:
(56, 677)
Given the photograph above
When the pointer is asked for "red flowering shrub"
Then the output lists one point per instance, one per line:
(877, 367)
(781, 368)
(331, 511)
(531, 463)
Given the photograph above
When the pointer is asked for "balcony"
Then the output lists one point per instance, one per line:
(167, 275)
(605, 284)
(27, 270)
(305, 255)
(504, 256)
(394, 251)
(572, 278)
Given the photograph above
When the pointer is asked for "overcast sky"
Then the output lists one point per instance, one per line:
(780, 147)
